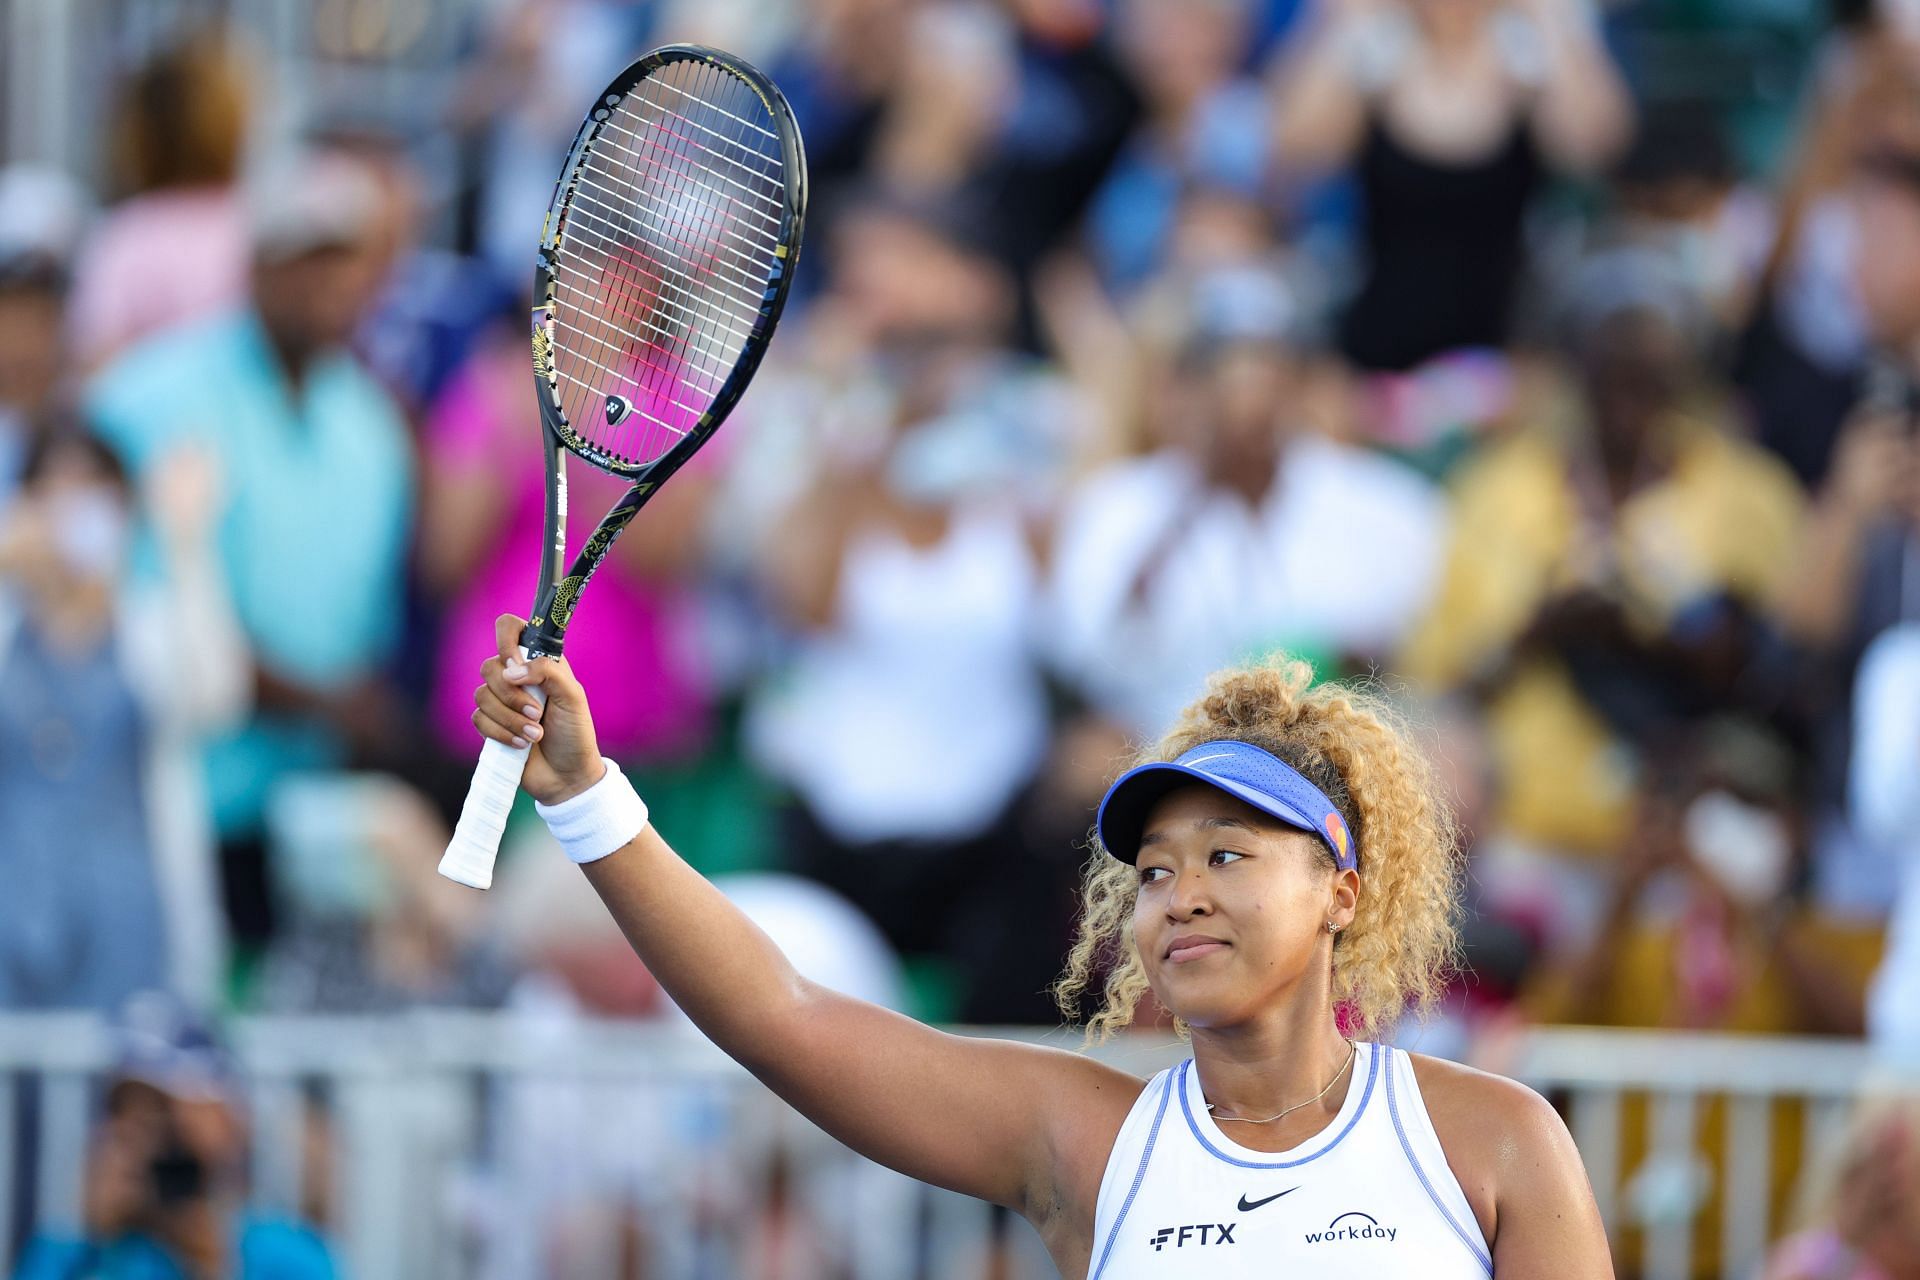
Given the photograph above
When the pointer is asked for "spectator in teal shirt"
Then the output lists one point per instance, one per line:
(318, 477)
(164, 1194)
(265, 1250)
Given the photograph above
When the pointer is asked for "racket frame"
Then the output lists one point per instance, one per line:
(471, 853)
(560, 584)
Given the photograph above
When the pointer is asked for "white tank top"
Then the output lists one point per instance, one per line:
(1370, 1195)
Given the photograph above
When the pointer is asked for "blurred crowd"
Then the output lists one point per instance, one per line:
(1431, 339)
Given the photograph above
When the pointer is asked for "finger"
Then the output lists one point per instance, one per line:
(510, 708)
(496, 731)
(497, 721)
(553, 676)
(493, 732)
(506, 636)
(504, 680)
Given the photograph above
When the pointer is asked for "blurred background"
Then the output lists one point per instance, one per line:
(1552, 365)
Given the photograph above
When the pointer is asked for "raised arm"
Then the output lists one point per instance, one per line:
(1817, 601)
(1584, 114)
(194, 659)
(1015, 1124)
(1320, 90)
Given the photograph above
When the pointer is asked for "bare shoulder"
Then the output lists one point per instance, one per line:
(1479, 1109)
(1093, 1105)
(1505, 1143)
(1090, 1090)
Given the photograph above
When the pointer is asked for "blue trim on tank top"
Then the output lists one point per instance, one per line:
(1393, 1110)
(1373, 1071)
(1139, 1176)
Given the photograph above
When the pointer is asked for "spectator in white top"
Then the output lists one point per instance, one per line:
(909, 575)
(1245, 531)
(1885, 784)
(105, 845)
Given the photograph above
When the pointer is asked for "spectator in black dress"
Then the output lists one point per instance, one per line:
(1450, 114)
(1805, 356)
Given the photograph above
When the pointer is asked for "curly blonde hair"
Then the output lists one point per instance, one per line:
(1401, 946)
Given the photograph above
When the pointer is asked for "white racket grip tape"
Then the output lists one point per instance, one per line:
(496, 781)
(476, 837)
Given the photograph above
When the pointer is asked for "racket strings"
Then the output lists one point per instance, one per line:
(742, 255)
(764, 132)
(683, 303)
(694, 144)
(735, 265)
(675, 247)
(667, 247)
(650, 323)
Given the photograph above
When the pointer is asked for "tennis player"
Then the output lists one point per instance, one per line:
(1281, 874)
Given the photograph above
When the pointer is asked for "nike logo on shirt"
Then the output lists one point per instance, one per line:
(1246, 1204)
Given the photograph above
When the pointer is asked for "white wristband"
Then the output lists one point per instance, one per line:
(598, 821)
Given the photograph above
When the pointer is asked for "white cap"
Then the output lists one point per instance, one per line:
(308, 201)
(43, 214)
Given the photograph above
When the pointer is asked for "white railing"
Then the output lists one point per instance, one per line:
(59, 60)
(464, 1145)
(1675, 1078)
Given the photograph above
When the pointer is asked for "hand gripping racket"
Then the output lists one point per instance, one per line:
(663, 265)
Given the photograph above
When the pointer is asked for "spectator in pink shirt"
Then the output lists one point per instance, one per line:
(481, 537)
(1865, 1225)
(176, 248)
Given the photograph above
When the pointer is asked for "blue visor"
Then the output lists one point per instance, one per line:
(1244, 772)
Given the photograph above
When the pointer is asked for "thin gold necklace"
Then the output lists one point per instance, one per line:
(1352, 1048)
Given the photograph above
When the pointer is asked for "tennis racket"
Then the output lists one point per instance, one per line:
(664, 263)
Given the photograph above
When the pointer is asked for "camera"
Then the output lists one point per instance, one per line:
(176, 1174)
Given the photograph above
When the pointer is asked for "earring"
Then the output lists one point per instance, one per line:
(1332, 927)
